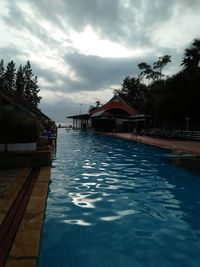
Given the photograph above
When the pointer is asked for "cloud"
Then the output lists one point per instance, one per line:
(127, 22)
(8, 53)
(89, 73)
(82, 50)
(96, 72)
(61, 108)
(130, 22)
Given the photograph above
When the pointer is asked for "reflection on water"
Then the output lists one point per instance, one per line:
(117, 203)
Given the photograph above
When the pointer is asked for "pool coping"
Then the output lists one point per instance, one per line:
(25, 248)
(173, 145)
(191, 163)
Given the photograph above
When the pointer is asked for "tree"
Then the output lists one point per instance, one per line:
(2, 78)
(20, 81)
(154, 73)
(92, 108)
(35, 99)
(147, 71)
(9, 75)
(191, 59)
(133, 91)
(1, 68)
(31, 89)
(28, 75)
(24, 83)
(160, 64)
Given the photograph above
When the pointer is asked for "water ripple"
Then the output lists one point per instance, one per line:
(124, 197)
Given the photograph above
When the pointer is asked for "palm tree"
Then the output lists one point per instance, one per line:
(191, 60)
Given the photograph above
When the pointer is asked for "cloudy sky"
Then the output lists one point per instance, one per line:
(81, 50)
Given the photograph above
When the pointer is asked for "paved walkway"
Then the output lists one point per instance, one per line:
(179, 146)
(6, 178)
(25, 247)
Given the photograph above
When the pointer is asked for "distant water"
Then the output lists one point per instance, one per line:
(115, 203)
(67, 123)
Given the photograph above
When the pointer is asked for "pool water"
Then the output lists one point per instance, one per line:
(116, 203)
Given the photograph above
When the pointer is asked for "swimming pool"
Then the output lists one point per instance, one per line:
(115, 203)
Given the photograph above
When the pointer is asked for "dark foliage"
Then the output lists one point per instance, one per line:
(93, 108)
(180, 99)
(170, 101)
(23, 83)
(10, 75)
(191, 60)
(134, 92)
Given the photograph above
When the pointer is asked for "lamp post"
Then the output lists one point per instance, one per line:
(80, 108)
(187, 123)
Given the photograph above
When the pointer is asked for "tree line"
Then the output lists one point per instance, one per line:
(170, 100)
(22, 82)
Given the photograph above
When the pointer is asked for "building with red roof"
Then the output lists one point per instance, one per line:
(114, 115)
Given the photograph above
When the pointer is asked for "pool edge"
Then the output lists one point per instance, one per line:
(25, 248)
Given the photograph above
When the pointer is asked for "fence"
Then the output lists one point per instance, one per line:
(173, 134)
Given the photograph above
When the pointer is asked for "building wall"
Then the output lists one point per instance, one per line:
(80, 124)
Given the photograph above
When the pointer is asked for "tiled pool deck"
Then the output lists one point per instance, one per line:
(25, 247)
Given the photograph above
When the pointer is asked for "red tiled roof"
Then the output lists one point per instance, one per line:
(120, 104)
